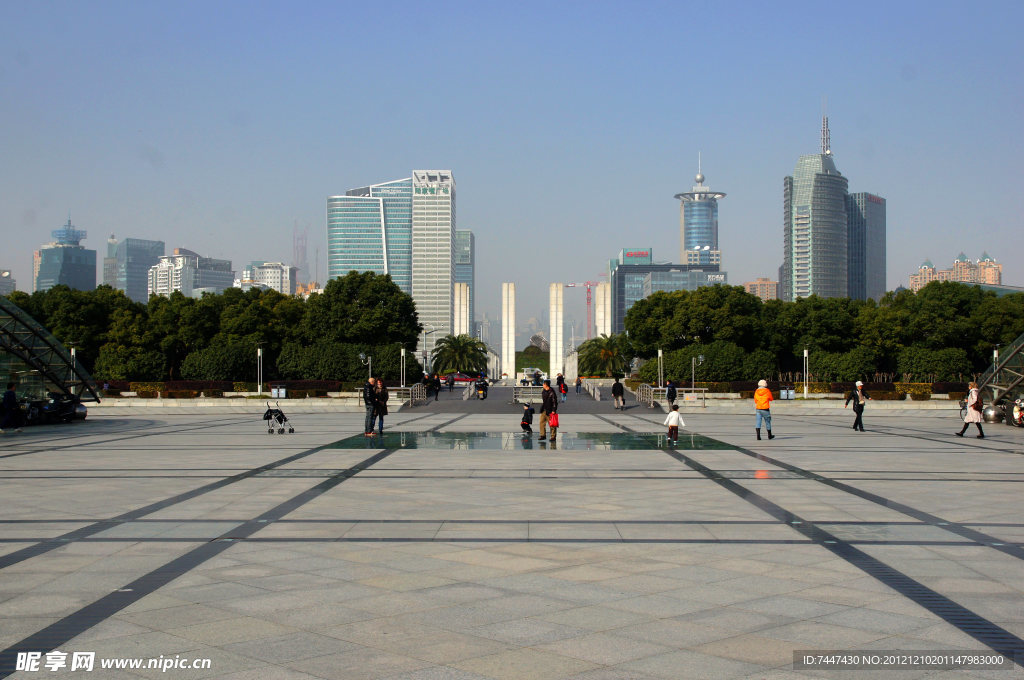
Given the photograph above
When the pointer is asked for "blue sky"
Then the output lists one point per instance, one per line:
(569, 126)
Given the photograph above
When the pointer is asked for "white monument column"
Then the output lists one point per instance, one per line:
(555, 291)
(461, 309)
(508, 330)
(603, 308)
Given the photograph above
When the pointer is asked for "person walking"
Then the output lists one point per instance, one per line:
(380, 404)
(370, 402)
(670, 393)
(451, 381)
(564, 389)
(12, 412)
(762, 402)
(618, 394)
(859, 397)
(579, 385)
(975, 409)
(674, 420)
(437, 385)
(548, 406)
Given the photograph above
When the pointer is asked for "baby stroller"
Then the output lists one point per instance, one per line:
(276, 415)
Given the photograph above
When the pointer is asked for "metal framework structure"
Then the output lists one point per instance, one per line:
(1007, 372)
(24, 338)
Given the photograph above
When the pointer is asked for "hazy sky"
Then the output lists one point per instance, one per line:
(569, 126)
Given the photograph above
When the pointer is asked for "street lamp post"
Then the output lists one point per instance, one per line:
(661, 369)
(402, 367)
(259, 370)
(805, 372)
(694, 363)
(367, 361)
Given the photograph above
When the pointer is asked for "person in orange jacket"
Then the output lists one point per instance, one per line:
(762, 402)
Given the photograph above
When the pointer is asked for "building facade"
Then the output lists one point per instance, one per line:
(270, 275)
(632, 282)
(64, 261)
(698, 225)
(126, 266)
(465, 268)
(763, 287)
(7, 283)
(508, 329)
(433, 250)
(461, 324)
(190, 274)
(865, 256)
(369, 229)
(985, 271)
(814, 227)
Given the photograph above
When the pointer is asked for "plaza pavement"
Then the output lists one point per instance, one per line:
(452, 548)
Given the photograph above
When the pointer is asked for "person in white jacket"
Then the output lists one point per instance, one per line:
(674, 420)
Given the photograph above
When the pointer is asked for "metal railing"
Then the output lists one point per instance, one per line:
(417, 394)
(648, 395)
(593, 389)
(526, 394)
(1006, 373)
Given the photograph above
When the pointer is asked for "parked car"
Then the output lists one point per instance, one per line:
(462, 377)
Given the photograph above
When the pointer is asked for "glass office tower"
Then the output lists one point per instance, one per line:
(370, 229)
(865, 224)
(465, 269)
(698, 220)
(814, 228)
(126, 266)
(64, 262)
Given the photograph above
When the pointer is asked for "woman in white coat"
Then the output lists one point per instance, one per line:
(974, 413)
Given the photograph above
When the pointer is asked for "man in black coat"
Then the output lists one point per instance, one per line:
(11, 410)
(618, 393)
(548, 405)
(859, 397)
(370, 402)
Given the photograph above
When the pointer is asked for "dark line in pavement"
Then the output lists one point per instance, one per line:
(60, 632)
(927, 517)
(54, 543)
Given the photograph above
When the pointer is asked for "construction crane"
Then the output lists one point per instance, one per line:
(589, 286)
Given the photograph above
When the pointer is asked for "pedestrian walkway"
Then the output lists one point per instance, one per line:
(452, 547)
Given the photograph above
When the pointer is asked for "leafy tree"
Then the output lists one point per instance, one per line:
(362, 308)
(721, 361)
(222, 361)
(607, 355)
(462, 353)
(857, 364)
(919, 364)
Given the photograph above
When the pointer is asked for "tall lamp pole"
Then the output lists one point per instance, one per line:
(259, 370)
(367, 361)
(805, 372)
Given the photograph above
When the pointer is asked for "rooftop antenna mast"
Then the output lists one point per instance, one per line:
(826, 142)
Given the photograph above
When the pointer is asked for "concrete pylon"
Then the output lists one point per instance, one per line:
(461, 309)
(603, 308)
(508, 330)
(555, 363)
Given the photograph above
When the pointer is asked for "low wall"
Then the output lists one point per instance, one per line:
(350, 403)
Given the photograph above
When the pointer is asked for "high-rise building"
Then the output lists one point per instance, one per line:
(508, 329)
(270, 275)
(698, 224)
(814, 227)
(7, 283)
(865, 255)
(190, 274)
(126, 266)
(460, 310)
(465, 267)
(763, 287)
(369, 229)
(65, 261)
(433, 250)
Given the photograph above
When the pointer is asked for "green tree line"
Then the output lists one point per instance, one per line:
(944, 332)
(215, 337)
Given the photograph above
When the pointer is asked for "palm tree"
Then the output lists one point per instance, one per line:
(462, 353)
(607, 354)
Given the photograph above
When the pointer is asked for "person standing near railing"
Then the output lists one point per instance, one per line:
(670, 393)
(617, 394)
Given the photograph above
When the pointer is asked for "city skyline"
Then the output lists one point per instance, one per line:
(202, 136)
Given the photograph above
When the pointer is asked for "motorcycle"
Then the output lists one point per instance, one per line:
(57, 408)
(1015, 412)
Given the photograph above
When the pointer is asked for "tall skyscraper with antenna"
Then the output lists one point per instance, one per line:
(698, 224)
(814, 260)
